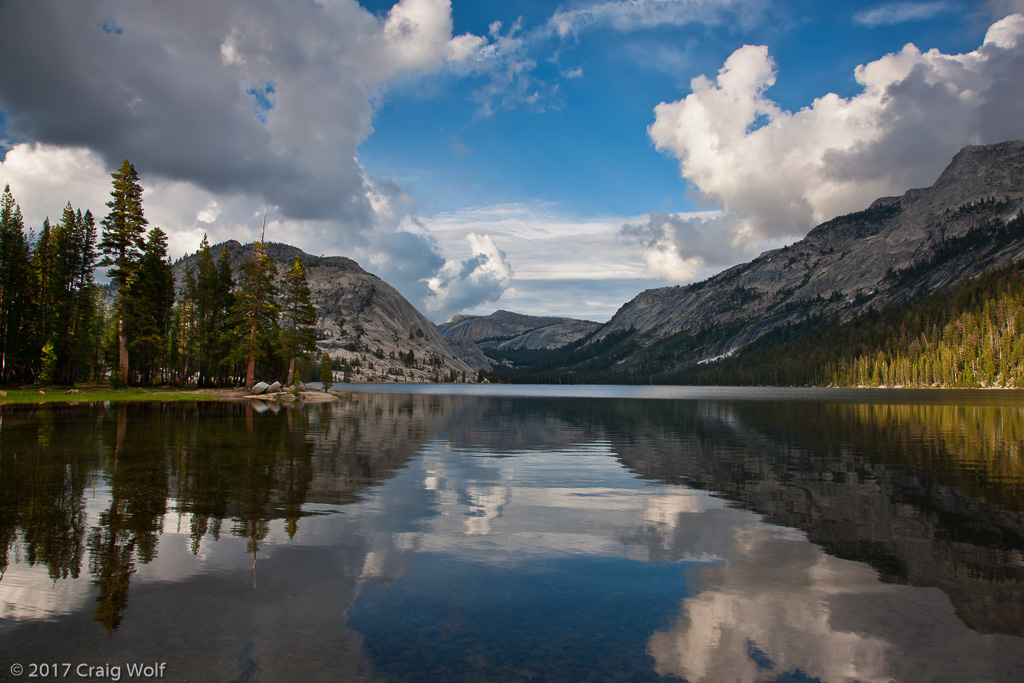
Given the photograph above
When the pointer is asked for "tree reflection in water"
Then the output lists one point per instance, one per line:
(926, 495)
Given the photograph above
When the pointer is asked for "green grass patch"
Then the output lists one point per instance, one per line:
(93, 394)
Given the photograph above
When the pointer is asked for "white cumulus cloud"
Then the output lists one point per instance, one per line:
(684, 248)
(778, 173)
(254, 97)
(482, 278)
(225, 108)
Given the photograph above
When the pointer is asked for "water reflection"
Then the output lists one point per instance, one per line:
(924, 494)
(470, 538)
(188, 514)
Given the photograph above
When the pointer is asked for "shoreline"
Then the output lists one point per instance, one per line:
(96, 394)
(151, 394)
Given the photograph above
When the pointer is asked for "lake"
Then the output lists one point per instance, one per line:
(480, 533)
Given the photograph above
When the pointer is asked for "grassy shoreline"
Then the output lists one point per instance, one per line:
(102, 393)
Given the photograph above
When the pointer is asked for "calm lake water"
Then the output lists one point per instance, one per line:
(426, 533)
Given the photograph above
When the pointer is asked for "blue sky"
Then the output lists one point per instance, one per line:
(586, 147)
(538, 157)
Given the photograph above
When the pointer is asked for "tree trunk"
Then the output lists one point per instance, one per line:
(250, 370)
(122, 351)
(3, 348)
(291, 371)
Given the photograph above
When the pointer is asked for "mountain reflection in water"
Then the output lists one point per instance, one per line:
(404, 537)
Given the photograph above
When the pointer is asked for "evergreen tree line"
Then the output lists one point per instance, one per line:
(968, 335)
(214, 330)
(51, 311)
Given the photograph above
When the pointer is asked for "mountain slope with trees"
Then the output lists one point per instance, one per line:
(965, 335)
(226, 315)
(898, 249)
(370, 332)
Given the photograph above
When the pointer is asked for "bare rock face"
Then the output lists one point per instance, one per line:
(889, 252)
(548, 337)
(474, 336)
(500, 324)
(361, 320)
(472, 354)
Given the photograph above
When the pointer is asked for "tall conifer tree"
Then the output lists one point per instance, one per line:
(223, 299)
(15, 288)
(256, 308)
(67, 255)
(206, 320)
(211, 295)
(122, 244)
(151, 298)
(85, 314)
(185, 326)
(298, 324)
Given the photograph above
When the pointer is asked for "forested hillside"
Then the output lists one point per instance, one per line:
(970, 334)
(222, 326)
(226, 315)
(895, 249)
(967, 335)
(861, 267)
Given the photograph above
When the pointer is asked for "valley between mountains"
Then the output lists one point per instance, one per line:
(891, 257)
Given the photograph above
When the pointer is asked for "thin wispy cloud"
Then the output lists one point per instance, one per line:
(632, 15)
(902, 12)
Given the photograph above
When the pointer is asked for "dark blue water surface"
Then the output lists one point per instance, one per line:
(569, 618)
(519, 534)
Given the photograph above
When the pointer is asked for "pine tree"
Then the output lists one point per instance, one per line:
(151, 298)
(84, 290)
(206, 327)
(223, 303)
(255, 310)
(94, 334)
(15, 289)
(211, 296)
(65, 257)
(326, 372)
(186, 337)
(122, 244)
(298, 324)
(44, 318)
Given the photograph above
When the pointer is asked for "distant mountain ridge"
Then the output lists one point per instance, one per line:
(896, 249)
(362, 321)
(473, 336)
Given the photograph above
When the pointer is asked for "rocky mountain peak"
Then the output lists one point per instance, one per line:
(474, 337)
(896, 248)
(362, 321)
